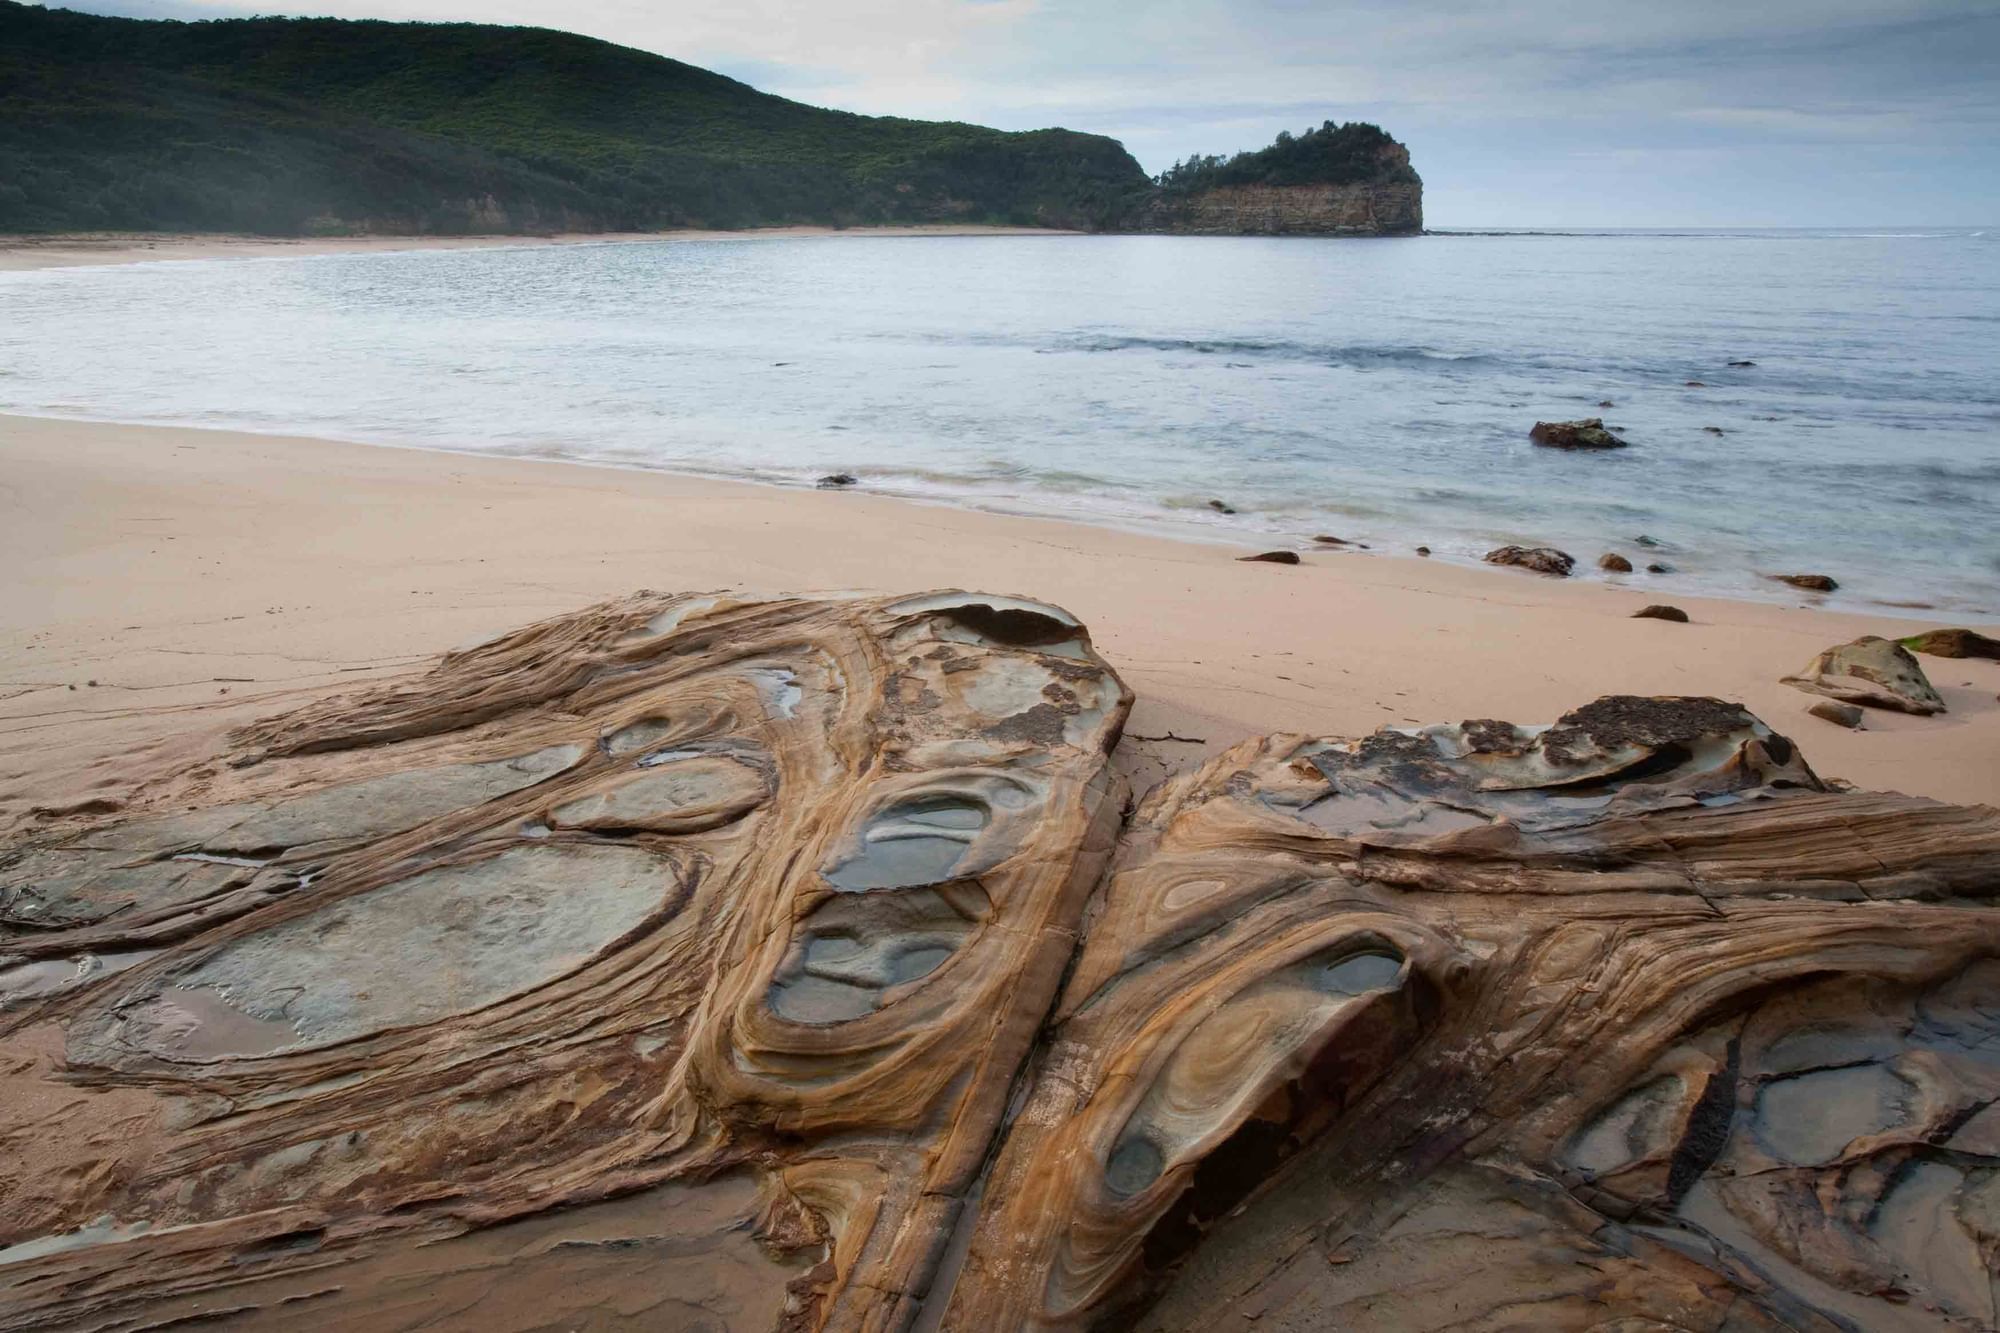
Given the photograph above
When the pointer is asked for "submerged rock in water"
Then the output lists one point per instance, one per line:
(1836, 712)
(1953, 643)
(1660, 611)
(1659, 567)
(1541, 559)
(1614, 563)
(795, 965)
(1220, 508)
(1271, 558)
(1809, 582)
(1589, 433)
(1872, 671)
(834, 481)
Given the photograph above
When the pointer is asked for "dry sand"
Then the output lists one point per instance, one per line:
(66, 251)
(200, 578)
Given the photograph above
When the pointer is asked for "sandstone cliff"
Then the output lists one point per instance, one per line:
(1338, 180)
(1392, 209)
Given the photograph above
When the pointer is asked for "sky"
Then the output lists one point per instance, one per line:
(1518, 113)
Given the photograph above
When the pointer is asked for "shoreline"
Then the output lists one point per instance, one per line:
(25, 253)
(163, 575)
(1192, 530)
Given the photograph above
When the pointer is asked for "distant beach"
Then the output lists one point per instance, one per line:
(71, 250)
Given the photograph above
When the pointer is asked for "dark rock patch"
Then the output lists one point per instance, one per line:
(1589, 433)
(1541, 559)
(1953, 643)
(1809, 582)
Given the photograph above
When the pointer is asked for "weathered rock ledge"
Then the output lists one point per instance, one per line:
(797, 965)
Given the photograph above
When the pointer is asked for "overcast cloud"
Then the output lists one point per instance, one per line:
(1518, 113)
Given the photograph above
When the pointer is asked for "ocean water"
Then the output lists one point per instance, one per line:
(1377, 390)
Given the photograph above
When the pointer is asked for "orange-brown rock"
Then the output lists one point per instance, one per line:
(688, 962)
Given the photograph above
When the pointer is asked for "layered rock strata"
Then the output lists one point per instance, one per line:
(690, 962)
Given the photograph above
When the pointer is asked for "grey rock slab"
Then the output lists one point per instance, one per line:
(441, 943)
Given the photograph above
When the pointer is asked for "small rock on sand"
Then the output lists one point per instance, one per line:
(1541, 559)
(834, 481)
(1660, 611)
(1872, 671)
(1614, 563)
(1953, 643)
(1810, 582)
(1846, 715)
(1588, 433)
(1271, 558)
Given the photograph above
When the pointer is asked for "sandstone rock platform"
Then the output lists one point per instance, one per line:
(696, 962)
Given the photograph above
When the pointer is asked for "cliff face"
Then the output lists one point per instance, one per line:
(1394, 209)
(1371, 193)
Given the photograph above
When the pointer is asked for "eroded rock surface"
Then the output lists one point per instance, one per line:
(688, 962)
(756, 906)
(1625, 1023)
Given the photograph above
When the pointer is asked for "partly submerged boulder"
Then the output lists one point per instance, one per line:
(1953, 643)
(1541, 559)
(1589, 433)
(1809, 582)
(1872, 671)
(1613, 563)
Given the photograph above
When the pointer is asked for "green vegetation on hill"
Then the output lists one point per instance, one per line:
(322, 125)
(1347, 154)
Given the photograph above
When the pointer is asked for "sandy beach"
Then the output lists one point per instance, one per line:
(162, 580)
(19, 253)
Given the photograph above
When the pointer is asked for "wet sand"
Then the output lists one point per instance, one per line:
(64, 251)
(166, 582)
